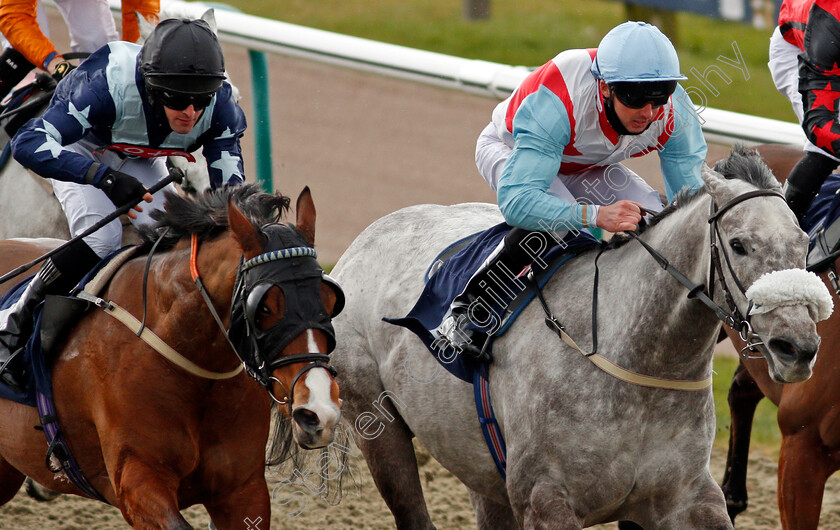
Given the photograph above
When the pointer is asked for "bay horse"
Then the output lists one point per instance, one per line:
(152, 437)
(807, 412)
(583, 447)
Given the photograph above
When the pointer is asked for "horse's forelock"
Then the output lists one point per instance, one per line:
(260, 207)
(746, 164)
(742, 163)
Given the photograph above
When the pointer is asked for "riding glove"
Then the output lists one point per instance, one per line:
(121, 187)
(62, 69)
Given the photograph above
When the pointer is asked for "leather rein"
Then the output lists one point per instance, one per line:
(313, 360)
(731, 316)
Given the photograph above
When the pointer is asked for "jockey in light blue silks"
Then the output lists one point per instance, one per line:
(104, 138)
(552, 153)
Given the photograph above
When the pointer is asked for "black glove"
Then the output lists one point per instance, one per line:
(121, 188)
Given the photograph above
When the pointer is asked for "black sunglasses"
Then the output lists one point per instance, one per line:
(180, 101)
(636, 95)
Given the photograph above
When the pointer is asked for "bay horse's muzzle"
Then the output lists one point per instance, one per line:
(311, 403)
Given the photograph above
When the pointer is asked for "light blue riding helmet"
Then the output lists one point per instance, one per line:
(636, 51)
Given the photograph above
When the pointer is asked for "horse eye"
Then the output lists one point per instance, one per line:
(738, 247)
(264, 309)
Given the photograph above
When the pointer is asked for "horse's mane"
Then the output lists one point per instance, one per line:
(742, 163)
(206, 215)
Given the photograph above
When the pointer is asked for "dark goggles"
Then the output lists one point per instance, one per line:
(180, 101)
(636, 95)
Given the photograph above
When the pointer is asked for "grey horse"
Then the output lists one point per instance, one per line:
(583, 447)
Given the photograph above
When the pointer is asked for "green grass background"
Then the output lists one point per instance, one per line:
(765, 434)
(530, 32)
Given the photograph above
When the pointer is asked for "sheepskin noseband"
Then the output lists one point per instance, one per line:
(791, 287)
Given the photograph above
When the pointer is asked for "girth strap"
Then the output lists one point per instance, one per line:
(150, 338)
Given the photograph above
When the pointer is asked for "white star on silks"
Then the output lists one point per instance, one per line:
(228, 165)
(81, 116)
(225, 134)
(51, 141)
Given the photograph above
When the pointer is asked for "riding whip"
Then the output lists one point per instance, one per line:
(175, 175)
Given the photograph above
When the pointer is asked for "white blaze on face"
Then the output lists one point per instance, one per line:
(319, 383)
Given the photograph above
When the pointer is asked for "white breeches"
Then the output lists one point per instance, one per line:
(90, 23)
(85, 205)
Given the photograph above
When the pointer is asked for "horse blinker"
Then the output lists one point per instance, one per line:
(300, 280)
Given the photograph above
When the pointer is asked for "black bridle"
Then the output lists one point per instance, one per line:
(259, 350)
(731, 316)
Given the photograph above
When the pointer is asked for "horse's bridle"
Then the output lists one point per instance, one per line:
(733, 316)
(256, 364)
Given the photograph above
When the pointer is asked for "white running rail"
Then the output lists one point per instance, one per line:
(469, 75)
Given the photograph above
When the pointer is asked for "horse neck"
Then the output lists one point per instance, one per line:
(183, 305)
(658, 330)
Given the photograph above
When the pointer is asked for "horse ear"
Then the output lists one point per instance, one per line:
(715, 182)
(305, 212)
(244, 231)
(209, 16)
(144, 26)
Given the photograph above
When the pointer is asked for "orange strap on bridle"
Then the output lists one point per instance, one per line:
(194, 258)
(200, 285)
(155, 341)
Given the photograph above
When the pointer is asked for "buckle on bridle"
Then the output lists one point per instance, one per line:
(287, 400)
(747, 335)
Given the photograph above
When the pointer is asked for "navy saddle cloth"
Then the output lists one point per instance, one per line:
(8, 300)
(447, 277)
(822, 223)
(40, 363)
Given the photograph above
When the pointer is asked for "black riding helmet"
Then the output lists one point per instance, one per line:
(182, 62)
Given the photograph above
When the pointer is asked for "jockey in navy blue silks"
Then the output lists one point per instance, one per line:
(103, 141)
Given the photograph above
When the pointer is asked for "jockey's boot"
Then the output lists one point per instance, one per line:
(496, 279)
(13, 68)
(805, 180)
(58, 275)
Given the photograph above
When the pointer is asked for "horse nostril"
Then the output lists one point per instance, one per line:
(307, 419)
(783, 349)
(787, 351)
